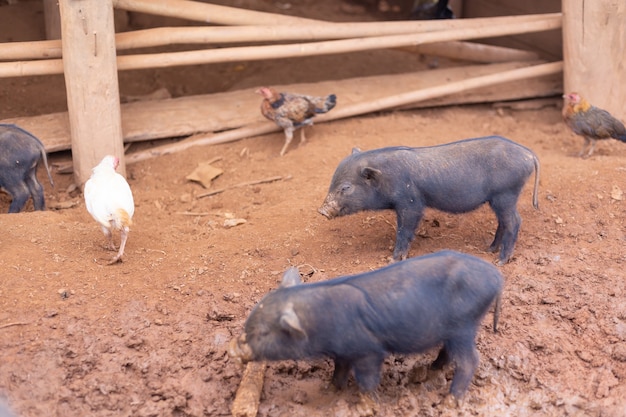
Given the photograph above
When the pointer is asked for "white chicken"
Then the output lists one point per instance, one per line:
(110, 202)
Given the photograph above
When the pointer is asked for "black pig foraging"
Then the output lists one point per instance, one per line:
(407, 307)
(456, 177)
(19, 157)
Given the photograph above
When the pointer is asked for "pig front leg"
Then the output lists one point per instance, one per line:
(341, 373)
(465, 358)
(367, 371)
(408, 220)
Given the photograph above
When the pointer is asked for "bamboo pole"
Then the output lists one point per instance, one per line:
(476, 52)
(218, 35)
(355, 109)
(253, 53)
(207, 13)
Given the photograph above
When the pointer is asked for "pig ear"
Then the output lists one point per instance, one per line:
(356, 150)
(291, 277)
(370, 173)
(290, 322)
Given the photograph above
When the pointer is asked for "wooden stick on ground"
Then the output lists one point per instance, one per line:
(241, 184)
(16, 323)
(248, 397)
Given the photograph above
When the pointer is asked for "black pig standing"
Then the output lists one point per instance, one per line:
(20, 153)
(456, 177)
(406, 307)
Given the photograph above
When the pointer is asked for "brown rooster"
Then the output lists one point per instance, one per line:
(293, 111)
(590, 122)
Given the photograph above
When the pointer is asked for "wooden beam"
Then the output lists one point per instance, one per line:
(91, 83)
(594, 41)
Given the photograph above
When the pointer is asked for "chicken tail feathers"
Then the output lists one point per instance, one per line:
(327, 104)
(122, 219)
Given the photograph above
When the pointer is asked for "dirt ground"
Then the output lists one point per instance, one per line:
(148, 337)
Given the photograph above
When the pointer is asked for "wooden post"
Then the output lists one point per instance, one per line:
(594, 41)
(90, 69)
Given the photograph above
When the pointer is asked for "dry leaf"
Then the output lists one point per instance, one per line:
(204, 174)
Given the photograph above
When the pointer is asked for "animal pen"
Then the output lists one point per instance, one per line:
(593, 41)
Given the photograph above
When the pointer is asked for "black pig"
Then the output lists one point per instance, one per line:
(456, 178)
(19, 158)
(406, 307)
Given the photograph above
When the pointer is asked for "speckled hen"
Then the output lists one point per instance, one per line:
(293, 111)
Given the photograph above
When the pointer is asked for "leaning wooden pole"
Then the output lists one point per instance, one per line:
(384, 103)
(91, 83)
(594, 41)
(208, 13)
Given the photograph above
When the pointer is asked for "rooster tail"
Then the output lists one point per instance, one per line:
(325, 104)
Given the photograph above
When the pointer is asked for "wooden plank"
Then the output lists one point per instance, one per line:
(88, 39)
(222, 111)
(594, 41)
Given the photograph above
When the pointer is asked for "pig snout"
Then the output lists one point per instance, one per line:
(239, 350)
(329, 209)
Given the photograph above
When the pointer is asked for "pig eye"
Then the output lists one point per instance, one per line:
(345, 188)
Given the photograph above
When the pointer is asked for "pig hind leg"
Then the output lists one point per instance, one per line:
(509, 222)
(465, 357)
(19, 195)
(35, 189)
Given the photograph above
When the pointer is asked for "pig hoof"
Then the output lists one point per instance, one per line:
(367, 406)
(451, 402)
